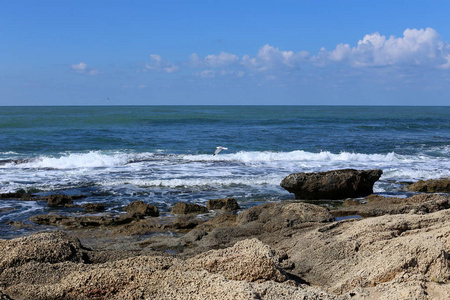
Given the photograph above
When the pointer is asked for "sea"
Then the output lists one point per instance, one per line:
(164, 154)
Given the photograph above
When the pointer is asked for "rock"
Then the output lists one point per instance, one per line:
(157, 277)
(338, 184)
(383, 252)
(23, 196)
(93, 207)
(227, 204)
(81, 221)
(220, 220)
(431, 186)
(182, 208)
(378, 205)
(140, 209)
(43, 247)
(58, 200)
(276, 216)
(248, 260)
(4, 296)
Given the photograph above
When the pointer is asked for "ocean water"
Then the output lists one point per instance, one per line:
(163, 154)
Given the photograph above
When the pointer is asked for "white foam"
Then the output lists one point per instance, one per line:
(92, 159)
(198, 182)
(298, 155)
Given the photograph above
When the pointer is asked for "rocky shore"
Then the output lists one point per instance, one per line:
(370, 247)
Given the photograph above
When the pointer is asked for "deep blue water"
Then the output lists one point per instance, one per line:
(163, 154)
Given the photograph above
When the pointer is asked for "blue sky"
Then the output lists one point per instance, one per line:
(224, 52)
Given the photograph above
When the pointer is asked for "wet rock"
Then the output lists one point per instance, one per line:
(220, 220)
(23, 196)
(184, 222)
(139, 209)
(93, 207)
(81, 221)
(431, 186)
(58, 200)
(338, 184)
(6, 209)
(227, 204)
(182, 208)
(275, 216)
(376, 205)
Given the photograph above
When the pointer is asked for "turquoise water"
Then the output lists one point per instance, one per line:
(163, 154)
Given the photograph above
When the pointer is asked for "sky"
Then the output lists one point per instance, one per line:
(247, 52)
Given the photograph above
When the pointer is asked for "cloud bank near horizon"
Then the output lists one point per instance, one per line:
(416, 48)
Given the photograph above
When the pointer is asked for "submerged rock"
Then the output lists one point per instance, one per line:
(333, 185)
(23, 196)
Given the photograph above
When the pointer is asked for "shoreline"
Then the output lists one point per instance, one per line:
(277, 250)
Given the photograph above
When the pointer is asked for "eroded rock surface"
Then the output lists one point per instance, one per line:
(431, 186)
(338, 184)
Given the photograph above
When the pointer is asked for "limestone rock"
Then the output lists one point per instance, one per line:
(58, 200)
(431, 186)
(183, 208)
(378, 205)
(338, 184)
(228, 204)
(140, 209)
(248, 260)
(49, 247)
(390, 249)
(275, 216)
(93, 207)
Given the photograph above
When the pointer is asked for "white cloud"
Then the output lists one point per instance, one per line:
(206, 74)
(417, 47)
(271, 58)
(79, 67)
(82, 68)
(221, 60)
(157, 64)
(224, 59)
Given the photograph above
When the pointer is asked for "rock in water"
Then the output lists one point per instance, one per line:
(333, 185)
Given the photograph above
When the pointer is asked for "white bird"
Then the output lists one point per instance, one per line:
(218, 149)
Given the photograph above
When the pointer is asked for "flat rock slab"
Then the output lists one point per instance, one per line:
(431, 186)
(332, 185)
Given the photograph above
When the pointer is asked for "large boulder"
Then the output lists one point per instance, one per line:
(333, 185)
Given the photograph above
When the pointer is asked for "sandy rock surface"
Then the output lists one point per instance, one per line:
(287, 250)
